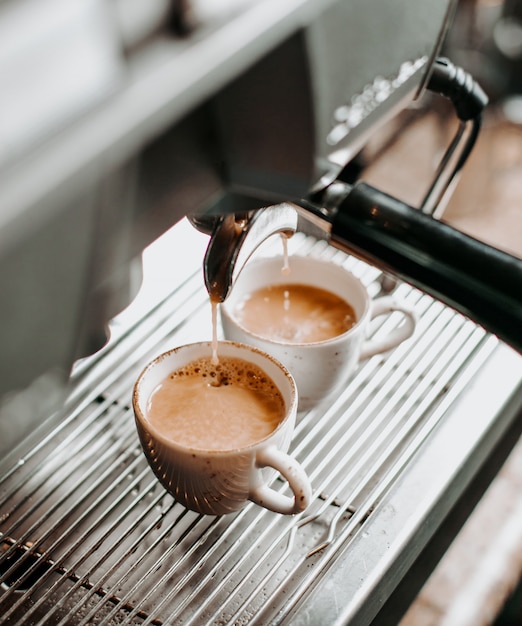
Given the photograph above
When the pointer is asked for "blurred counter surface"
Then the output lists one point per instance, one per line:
(484, 563)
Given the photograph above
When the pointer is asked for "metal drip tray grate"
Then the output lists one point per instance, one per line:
(88, 535)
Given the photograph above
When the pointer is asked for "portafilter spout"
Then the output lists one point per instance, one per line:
(235, 237)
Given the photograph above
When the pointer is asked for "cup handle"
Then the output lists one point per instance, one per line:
(290, 469)
(383, 306)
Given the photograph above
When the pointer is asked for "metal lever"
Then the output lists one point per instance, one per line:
(469, 100)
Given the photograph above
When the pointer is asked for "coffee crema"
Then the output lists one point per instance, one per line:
(205, 406)
(294, 313)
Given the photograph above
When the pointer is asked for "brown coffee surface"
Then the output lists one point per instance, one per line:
(205, 406)
(295, 313)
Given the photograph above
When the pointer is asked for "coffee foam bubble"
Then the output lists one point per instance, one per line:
(229, 371)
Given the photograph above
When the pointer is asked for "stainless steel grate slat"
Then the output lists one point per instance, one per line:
(65, 535)
(361, 512)
(90, 537)
(394, 447)
(343, 430)
(84, 580)
(328, 551)
(154, 567)
(274, 537)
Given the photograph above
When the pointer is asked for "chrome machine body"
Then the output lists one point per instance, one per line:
(119, 120)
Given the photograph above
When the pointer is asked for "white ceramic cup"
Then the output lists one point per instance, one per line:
(215, 482)
(321, 368)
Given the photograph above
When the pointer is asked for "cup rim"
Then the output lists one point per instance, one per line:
(290, 408)
(225, 307)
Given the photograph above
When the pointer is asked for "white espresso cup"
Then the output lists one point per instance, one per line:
(218, 481)
(320, 368)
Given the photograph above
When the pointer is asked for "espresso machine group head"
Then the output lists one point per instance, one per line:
(475, 279)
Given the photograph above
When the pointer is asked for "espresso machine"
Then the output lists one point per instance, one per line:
(230, 121)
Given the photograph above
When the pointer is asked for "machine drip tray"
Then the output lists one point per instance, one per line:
(89, 536)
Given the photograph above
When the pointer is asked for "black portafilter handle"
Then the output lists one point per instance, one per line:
(478, 280)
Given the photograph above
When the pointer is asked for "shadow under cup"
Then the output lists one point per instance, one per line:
(216, 482)
(321, 368)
